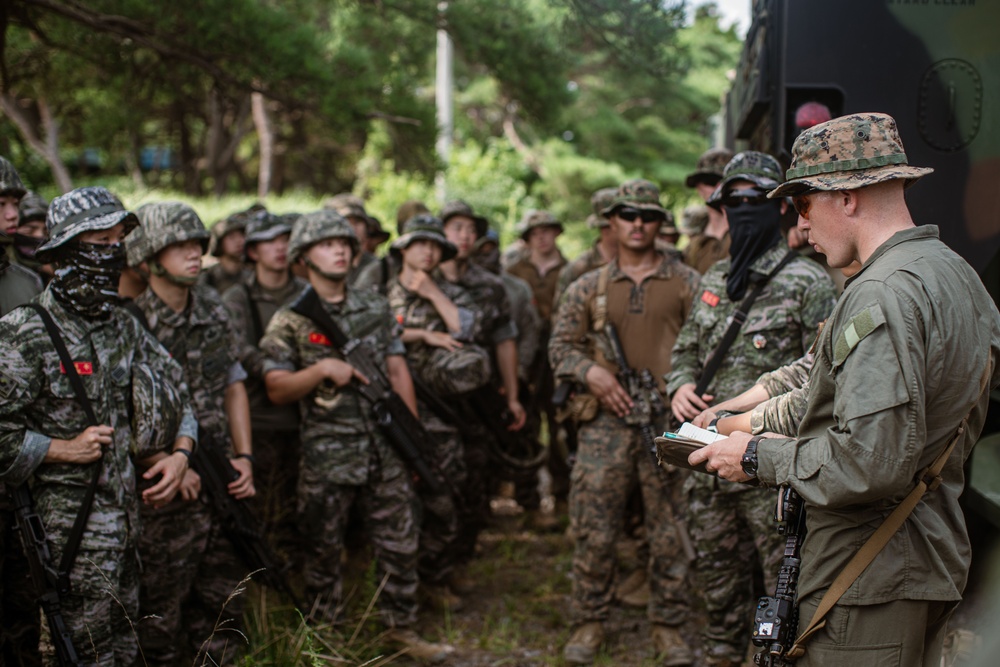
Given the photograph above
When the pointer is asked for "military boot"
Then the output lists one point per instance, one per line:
(633, 581)
(637, 597)
(440, 598)
(670, 647)
(581, 649)
(417, 647)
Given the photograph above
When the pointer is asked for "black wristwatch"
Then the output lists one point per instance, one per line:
(749, 461)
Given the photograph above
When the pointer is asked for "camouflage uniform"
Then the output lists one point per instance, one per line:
(39, 404)
(216, 276)
(613, 457)
(346, 460)
(275, 428)
(17, 284)
(788, 388)
(703, 250)
(189, 566)
(729, 520)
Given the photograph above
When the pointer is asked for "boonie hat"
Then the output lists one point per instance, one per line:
(82, 210)
(459, 207)
(534, 219)
(424, 227)
(847, 153)
(710, 167)
(637, 193)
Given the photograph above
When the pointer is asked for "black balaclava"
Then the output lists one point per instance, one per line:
(86, 277)
(753, 230)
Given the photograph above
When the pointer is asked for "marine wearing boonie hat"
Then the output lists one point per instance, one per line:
(710, 167)
(459, 207)
(847, 153)
(534, 219)
(82, 210)
(636, 193)
(428, 228)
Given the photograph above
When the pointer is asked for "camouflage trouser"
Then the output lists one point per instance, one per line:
(611, 461)
(439, 522)
(388, 509)
(189, 572)
(103, 601)
(276, 477)
(726, 529)
(19, 624)
(474, 511)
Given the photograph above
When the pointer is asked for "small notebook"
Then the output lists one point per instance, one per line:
(674, 448)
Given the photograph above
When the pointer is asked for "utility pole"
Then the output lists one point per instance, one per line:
(443, 85)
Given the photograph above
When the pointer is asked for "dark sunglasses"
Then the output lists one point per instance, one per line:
(630, 214)
(802, 203)
(737, 198)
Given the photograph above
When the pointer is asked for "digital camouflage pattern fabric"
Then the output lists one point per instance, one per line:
(637, 193)
(317, 226)
(39, 404)
(759, 168)
(82, 210)
(788, 388)
(709, 167)
(847, 153)
(163, 225)
(10, 181)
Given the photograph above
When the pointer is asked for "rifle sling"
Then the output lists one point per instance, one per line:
(929, 479)
(309, 305)
(255, 323)
(739, 318)
(76, 533)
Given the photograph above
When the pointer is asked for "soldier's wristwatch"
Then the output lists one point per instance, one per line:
(749, 461)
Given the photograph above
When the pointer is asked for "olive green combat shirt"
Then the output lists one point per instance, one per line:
(897, 368)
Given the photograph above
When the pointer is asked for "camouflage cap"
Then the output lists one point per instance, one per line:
(426, 227)
(637, 193)
(317, 226)
(459, 207)
(376, 231)
(266, 226)
(491, 236)
(534, 219)
(10, 180)
(601, 199)
(669, 225)
(710, 167)
(235, 222)
(157, 411)
(407, 210)
(596, 221)
(348, 205)
(32, 207)
(164, 223)
(82, 210)
(847, 153)
(694, 219)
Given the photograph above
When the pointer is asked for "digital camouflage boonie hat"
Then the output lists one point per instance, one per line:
(10, 180)
(32, 207)
(710, 167)
(79, 211)
(317, 226)
(163, 224)
(428, 228)
(637, 193)
(847, 153)
(237, 222)
(534, 219)
(459, 207)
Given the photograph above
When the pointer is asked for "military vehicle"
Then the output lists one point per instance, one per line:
(934, 65)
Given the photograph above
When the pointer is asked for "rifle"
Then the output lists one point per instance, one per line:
(404, 432)
(647, 408)
(43, 574)
(776, 618)
(238, 522)
(515, 449)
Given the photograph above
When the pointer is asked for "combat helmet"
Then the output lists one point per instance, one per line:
(10, 181)
(164, 224)
(264, 226)
(534, 219)
(82, 210)
(237, 222)
(759, 168)
(424, 226)
(157, 412)
(32, 207)
(317, 226)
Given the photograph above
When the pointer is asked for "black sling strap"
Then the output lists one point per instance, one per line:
(739, 318)
(255, 323)
(76, 534)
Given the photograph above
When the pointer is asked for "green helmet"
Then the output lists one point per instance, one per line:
(759, 168)
(235, 222)
(78, 211)
(10, 181)
(317, 226)
(32, 207)
(157, 411)
(164, 224)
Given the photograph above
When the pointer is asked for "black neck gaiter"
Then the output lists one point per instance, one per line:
(753, 230)
(86, 277)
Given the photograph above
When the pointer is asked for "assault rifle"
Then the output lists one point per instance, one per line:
(776, 618)
(43, 574)
(238, 523)
(404, 431)
(647, 409)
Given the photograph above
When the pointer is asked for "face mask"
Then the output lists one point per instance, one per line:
(329, 275)
(157, 269)
(86, 277)
(753, 230)
(26, 246)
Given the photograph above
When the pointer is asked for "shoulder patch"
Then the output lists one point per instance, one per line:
(859, 326)
(711, 299)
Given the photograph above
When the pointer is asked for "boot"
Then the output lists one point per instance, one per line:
(630, 583)
(440, 598)
(638, 597)
(541, 522)
(417, 647)
(670, 647)
(581, 649)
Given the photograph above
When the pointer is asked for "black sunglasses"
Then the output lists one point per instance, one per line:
(737, 198)
(630, 214)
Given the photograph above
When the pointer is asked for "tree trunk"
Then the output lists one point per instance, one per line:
(47, 149)
(265, 138)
